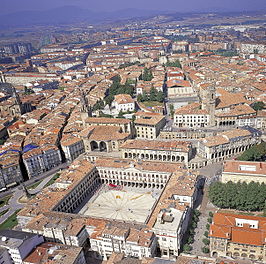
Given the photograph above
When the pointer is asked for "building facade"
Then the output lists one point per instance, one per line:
(228, 144)
(164, 151)
(244, 171)
(148, 126)
(170, 228)
(238, 236)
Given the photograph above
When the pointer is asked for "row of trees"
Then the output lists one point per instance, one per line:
(255, 153)
(154, 95)
(189, 237)
(226, 53)
(206, 241)
(240, 196)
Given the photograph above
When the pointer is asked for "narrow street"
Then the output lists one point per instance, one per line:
(210, 173)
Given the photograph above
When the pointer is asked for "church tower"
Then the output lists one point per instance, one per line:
(17, 109)
(209, 103)
(85, 109)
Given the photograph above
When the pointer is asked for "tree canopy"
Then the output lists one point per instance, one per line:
(240, 196)
(255, 153)
(154, 95)
(146, 75)
(174, 64)
(118, 88)
(258, 105)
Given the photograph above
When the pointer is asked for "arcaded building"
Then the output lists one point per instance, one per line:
(159, 150)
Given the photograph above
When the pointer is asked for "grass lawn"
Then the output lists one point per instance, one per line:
(4, 200)
(10, 222)
(152, 103)
(56, 176)
(34, 185)
(4, 212)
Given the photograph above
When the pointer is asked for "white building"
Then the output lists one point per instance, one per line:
(169, 228)
(72, 147)
(124, 103)
(132, 242)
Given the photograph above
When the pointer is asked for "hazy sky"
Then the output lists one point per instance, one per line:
(8, 6)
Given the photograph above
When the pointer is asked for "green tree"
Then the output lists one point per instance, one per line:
(140, 98)
(255, 153)
(99, 105)
(187, 248)
(210, 214)
(109, 99)
(146, 75)
(160, 96)
(174, 64)
(121, 114)
(145, 96)
(172, 110)
(206, 234)
(190, 240)
(258, 105)
(206, 241)
(153, 94)
(205, 250)
(264, 210)
(240, 196)
(210, 220)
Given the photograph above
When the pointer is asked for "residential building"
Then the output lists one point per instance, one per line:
(132, 242)
(125, 124)
(10, 170)
(56, 253)
(72, 147)
(261, 120)
(148, 125)
(170, 227)
(41, 159)
(19, 244)
(103, 138)
(191, 116)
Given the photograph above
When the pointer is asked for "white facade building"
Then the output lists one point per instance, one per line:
(124, 103)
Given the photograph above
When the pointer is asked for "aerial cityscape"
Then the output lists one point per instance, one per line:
(133, 132)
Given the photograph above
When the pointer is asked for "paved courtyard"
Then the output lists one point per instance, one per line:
(121, 205)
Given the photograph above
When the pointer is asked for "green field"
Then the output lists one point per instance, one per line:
(34, 185)
(4, 200)
(152, 103)
(10, 222)
(56, 176)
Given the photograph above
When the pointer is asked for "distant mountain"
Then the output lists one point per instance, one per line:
(69, 15)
